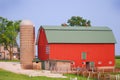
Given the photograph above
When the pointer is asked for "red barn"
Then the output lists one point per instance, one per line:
(85, 46)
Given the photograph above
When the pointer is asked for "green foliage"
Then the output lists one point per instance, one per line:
(117, 63)
(8, 33)
(117, 57)
(6, 75)
(78, 77)
(78, 21)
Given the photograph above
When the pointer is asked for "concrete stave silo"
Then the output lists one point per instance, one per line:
(27, 44)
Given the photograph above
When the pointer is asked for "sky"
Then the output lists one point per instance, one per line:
(56, 12)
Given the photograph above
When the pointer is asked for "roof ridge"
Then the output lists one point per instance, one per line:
(76, 28)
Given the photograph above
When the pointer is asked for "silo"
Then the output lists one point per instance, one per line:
(27, 44)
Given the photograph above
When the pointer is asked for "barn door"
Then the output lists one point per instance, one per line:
(43, 65)
(90, 65)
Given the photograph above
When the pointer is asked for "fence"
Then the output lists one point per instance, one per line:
(101, 75)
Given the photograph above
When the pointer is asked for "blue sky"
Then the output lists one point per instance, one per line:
(55, 12)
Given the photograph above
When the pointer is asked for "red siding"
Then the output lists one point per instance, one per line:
(103, 53)
(42, 42)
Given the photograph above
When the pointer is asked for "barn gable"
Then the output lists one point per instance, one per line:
(58, 34)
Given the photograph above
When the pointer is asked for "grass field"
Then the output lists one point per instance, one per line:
(117, 63)
(6, 75)
(9, 60)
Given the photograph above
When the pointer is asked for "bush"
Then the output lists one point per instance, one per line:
(117, 57)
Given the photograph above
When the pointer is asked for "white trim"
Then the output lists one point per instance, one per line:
(106, 67)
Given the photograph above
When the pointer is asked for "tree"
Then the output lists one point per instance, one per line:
(64, 24)
(8, 33)
(78, 21)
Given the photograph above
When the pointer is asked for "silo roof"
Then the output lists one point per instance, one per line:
(26, 22)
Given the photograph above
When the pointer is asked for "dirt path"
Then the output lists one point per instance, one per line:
(15, 67)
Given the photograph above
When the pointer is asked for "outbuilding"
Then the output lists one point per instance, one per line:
(82, 46)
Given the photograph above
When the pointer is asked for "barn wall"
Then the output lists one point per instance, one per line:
(42, 42)
(101, 54)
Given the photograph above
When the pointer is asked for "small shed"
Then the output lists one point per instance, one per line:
(61, 66)
(36, 64)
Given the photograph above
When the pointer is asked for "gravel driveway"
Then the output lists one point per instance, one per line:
(15, 67)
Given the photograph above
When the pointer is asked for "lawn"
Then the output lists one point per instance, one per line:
(117, 63)
(6, 75)
(9, 60)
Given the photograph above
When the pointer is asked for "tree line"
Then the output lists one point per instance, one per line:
(8, 32)
(77, 21)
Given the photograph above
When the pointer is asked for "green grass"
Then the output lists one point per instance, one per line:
(9, 60)
(117, 63)
(6, 75)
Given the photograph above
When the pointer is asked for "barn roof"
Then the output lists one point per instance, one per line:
(58, 34)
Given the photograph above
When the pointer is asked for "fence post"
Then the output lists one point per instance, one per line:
(88, 76)
(98, 75)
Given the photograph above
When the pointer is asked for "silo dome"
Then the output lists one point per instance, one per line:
(26, 22)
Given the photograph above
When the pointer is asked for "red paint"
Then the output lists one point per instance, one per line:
(42, 42)
(97, 53)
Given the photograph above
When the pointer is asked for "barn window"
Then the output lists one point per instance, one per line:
(83, 55)
(47, 49)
